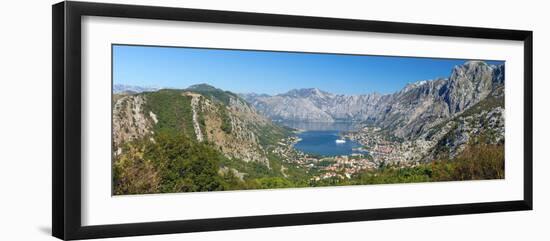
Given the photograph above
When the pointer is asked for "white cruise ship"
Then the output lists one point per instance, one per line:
(340, 141)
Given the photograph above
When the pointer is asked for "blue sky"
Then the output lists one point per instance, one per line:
(271, 72)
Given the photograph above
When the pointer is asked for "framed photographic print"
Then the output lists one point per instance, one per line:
(170, 120)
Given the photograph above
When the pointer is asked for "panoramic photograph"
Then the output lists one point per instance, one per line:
(200, 119)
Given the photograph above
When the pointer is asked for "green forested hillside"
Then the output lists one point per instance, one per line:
(173, 111)
(172, 159)
(176, 164)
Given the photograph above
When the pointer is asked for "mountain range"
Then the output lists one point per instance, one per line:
(408, 112)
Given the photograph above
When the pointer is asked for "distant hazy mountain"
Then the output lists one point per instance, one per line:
(408, 112)
(132, 89)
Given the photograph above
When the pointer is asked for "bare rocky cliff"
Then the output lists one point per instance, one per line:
(130, 120)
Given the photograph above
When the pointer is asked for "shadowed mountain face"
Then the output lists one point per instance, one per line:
(407, 113)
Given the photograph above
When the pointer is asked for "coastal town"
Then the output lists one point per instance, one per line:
(376, 151)
(384, 149)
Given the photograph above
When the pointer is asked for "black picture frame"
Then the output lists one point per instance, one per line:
(66, 127)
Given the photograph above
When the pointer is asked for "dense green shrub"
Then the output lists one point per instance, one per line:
(173, 110)
(175, 163)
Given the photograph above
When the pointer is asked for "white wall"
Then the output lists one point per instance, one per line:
(25, 133)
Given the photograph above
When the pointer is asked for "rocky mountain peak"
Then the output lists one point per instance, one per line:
(471, 68)
(416, 84)
(475, 63)
(469, 83)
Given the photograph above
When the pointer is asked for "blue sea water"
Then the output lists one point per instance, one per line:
(320, 138)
